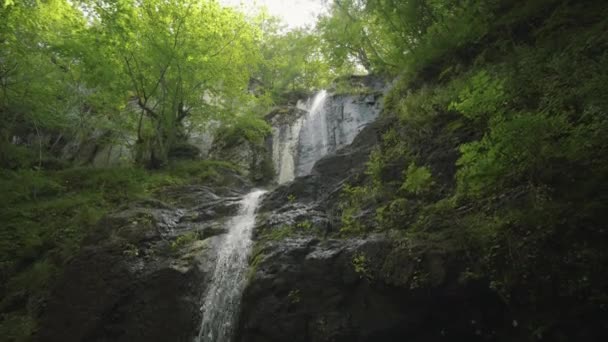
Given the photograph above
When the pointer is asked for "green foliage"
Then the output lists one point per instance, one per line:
(184, 240)
(499, 120)
(15, 157)
(294, 296)
(417, 179)
(193, 171)
(248, 127)
(516, 151)
(374, 168)
(346, 86)
(285, 231)
(352, 200)
(130, 250)
(279, 233)
(291, 61)
(46, 215)
(483, 97)
(389, 36)
(17, 327)
(361, 266)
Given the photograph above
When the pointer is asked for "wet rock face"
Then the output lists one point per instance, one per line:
(142, 272)
(254, 160)
(318, 126)
(308, 289)
(306, 286)
(321, 189)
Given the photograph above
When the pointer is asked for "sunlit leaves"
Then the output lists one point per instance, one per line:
(484, 95)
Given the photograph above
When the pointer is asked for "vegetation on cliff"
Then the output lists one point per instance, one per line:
(495, 143)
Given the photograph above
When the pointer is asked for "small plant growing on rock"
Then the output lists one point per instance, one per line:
(291, 198)
(419, 280)
(280, 233)
(304, 225)
(417, 179)
(361, 266)
(184, 240)
(294, 296)
(130, 250)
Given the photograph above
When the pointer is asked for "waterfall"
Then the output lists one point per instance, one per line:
(313, 140)
(221, 305)
(330, 123)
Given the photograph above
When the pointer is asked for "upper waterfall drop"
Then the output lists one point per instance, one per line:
(222, 300)
(287, 141)
(321, 125)
(314, 137)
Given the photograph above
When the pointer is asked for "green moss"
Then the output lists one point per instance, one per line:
(279, 233)
(352, 200)
(184, 240)
(46, 214)
(257, 256)
(18, 327)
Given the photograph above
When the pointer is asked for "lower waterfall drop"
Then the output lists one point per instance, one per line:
(222, 300)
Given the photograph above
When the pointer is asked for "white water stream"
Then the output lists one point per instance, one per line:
(295, 148)
(223, 297)
(314, 139)
(330, 123)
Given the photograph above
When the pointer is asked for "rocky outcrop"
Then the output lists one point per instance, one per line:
(322, 124)
(322, 187)
(364, 289)
(309, 284)
(142, 271)
(253, 159)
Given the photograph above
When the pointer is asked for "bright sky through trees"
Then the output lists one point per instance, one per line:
(295, 13)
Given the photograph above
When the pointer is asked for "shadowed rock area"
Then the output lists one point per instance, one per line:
(307, 289)
(306, 284)
(142, 271)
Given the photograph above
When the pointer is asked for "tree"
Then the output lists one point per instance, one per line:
(40, 85)
(292, 60)
(183, 60)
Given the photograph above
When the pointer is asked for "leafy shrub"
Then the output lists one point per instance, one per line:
(374, 168)
(361, 266)
(417, 179)
(484, 96)
(197, 171)
(16, 157)
(248, 127)
(351, 201)
(515, 151)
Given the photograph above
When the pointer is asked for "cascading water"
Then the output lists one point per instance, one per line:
(330, 122)
(313, 140)
(288, 139)
(223, 296)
